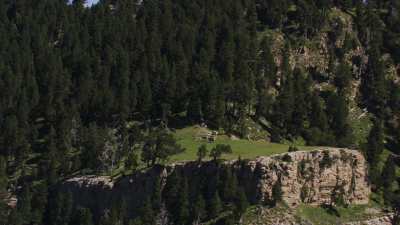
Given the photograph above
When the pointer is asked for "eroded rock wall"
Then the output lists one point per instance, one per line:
(312, 177)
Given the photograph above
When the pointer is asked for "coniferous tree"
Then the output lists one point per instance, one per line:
(241, 202)
(24, 206)
(122, 86)
(3, 190)
(202, 152)
(343, 77)
(132, 162)
(220, 149)
(373, 82)
(338, 118)
(284, 102)
(199, 208)
(3, 175)
(39, 203)
(299, 116)
(93, 143)
(276, 192)
(374, 149)
(83, 217)
(273, 12)
(159, 146)
(147, 215)
(183, 204)
(214, 206)
(267, 63)
(230, 185)
(156, 195)
(171, 193)
(59, 208)
(318, 121)
(195, 113)
(375, 145)
(145, 100)
(388, 179)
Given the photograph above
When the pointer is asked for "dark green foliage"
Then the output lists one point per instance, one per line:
(202, 152)
(374, 84)
(146, 212)
(241, 202)
(24, 206)
(343, 77)
(220, 149)
(388, 180)
(3, 175)
(214, 206)
(287, 158)
(326, 161)
(276, 193)
(171, 193)
(159, 146)
(83, 216)
(268, 68)
(396, 207)
(230, 185)
(3, 190)
(318, 133)
(338, 111)
(284, 102)
(199, 208)
(183, 204)
(293, 149)
(60, 208)
(273, 12)
(132, 162)
(70, 75)
(338, 196)
(302, 87)
(227, 221)
(375, 145)
(304, 193)
(92, 144)
(302, 168)
(156, 199)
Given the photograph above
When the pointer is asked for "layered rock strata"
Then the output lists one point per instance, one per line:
(315, 177)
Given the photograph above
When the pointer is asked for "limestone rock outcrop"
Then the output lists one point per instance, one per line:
(315, 177)
(311, 177)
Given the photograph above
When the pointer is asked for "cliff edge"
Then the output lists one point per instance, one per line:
(314, 177)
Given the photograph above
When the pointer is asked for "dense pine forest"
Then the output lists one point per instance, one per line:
(83, 89)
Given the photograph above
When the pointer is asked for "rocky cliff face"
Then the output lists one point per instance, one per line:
(315, 177)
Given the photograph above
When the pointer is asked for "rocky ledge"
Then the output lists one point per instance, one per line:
(314, 177)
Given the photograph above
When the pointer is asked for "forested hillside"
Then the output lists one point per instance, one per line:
(83, 90)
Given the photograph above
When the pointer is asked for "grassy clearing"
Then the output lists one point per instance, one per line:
(246, 149)
(321, 216)
(361, 123)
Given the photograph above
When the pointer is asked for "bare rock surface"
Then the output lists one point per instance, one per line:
(91, 181)
(309, 177)
(313, 177)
